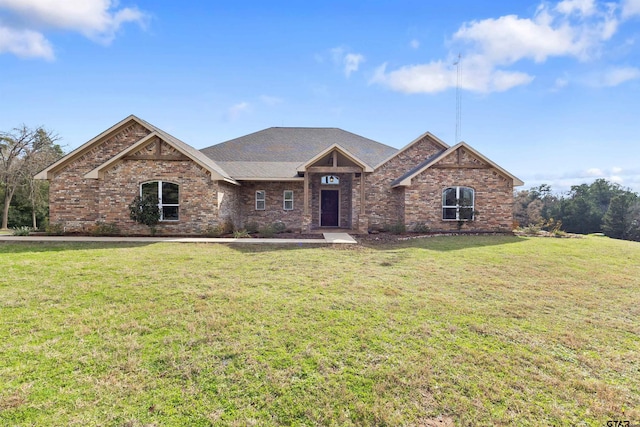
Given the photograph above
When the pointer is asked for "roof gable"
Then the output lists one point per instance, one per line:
(339, 149)
(216, 171)
(419, 139)
(405, 180)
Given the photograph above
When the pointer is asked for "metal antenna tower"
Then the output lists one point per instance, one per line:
(458, 65)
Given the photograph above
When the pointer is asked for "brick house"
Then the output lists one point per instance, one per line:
(308, 178)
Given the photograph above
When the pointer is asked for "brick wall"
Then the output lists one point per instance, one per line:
(197, 195)
(274, 206)
(422, 200)
(73, 200)
(77, 203)
(345, 189)
(385, 204)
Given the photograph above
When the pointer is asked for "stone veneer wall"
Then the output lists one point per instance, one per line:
(274, 204)
(385, 204)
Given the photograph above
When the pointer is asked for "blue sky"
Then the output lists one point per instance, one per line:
(549, 90)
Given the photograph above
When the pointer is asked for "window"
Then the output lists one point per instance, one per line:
(457, 203)
(330, 180)
(261, 197)
(168, 198)
(288, 200)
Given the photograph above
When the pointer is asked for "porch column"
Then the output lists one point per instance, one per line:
(306, 193)
(362, 193)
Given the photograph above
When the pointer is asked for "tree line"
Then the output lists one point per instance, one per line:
(24, 152)
(599, 207)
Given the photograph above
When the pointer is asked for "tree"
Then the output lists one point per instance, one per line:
(583, 209)
(534, 206)
(34, 163)
(634, 222)
(23, 152)
(618, 221)
(145, 210)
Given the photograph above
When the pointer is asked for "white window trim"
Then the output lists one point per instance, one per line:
(457, 207)
(263, 200)
(285, 200)
(160, 204)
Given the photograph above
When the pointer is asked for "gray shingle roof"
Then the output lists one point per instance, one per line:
(417, 168)
(276, 152)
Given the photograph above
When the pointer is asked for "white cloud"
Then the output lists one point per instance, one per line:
(616, 169)
(426, 78)
(349, 62)
(582, 7)
(492, 47)
(613, 77)
(25, 44)
(616, 76)
(594, 172)
(98, 20)
(270, 100)
(630, 8)
(476, 75)
(561, 82)
(352, 63)
(236, 110)
(414, 44)
(549, 33)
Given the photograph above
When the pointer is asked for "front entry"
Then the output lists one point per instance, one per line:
(329, 208)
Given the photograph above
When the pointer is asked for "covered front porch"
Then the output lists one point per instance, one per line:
(334, 191)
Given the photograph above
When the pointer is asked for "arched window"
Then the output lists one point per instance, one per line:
(168, 198)
(458, 203)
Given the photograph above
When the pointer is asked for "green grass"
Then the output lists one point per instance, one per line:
(480, 330)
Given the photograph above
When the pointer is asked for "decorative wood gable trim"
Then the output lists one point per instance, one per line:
(50, 171)
(362, 166)
(181, 151)
(152, 143)
(157, 151)
(460, 156)
(460, 159)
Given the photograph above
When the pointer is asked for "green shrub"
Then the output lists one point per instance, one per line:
(228, 226)
(251, 227)
(267, 231)
(397, 228)
(145, 210)
(420, 227)
(213, 231)
(22, 231)
(278, 227)
(241, 234)
(104, 229)
(56, 229)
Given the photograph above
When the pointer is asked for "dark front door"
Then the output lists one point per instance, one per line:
(329, 210)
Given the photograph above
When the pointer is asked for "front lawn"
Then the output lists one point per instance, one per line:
(466, 330)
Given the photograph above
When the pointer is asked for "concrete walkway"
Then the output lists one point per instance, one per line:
(328, 238)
